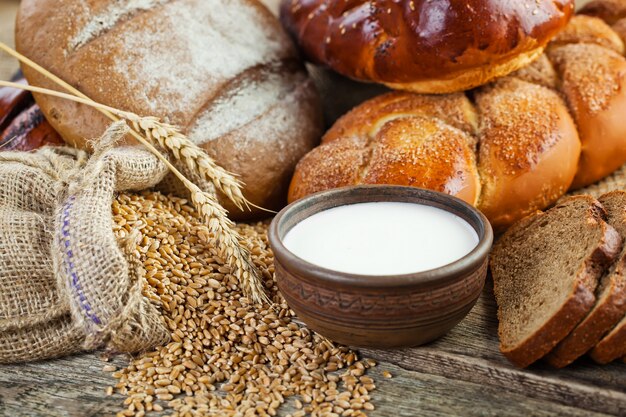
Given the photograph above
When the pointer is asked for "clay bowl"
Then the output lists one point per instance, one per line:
(380, 311)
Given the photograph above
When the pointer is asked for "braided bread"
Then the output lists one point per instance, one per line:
(510, 148)
(424, 46)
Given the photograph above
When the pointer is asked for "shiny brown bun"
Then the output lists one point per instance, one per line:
(421, 45)
(22, 125)
(557, 122)
(226, 73)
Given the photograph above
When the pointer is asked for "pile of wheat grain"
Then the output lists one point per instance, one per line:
(228, 356)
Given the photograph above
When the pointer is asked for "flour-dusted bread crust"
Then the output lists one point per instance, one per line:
(545, 271)
(528, 149)
(511, 151)
(610, 304)
(593, 82)
(224, 72)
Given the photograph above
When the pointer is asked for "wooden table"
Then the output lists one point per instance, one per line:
(462, 374)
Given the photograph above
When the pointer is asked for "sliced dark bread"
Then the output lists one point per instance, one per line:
(545, 271)
(612, 346)
(610, 304)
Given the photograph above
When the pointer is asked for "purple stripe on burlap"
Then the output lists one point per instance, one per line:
(70, 268)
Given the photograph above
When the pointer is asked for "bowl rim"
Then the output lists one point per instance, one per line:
(307, 271)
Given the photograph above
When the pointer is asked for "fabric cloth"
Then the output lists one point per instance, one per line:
(66, 283)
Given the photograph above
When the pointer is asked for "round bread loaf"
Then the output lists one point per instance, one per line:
(224, 72)
(510, 148)
(421, 45)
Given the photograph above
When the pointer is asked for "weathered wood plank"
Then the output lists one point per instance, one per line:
(461, 374)
(75, 387)
(72, 386)
(411, 394)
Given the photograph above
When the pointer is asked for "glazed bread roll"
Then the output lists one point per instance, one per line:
(224, 72)
(593, 82)
(432, 141)
(22, 125)
(528, 149)
(387, 141)
(510, 148)
(421, 45)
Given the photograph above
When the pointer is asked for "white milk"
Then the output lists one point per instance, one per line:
(386, 238)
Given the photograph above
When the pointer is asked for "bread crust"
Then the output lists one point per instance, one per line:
(581, 298)
(603, 316)
(608, 10)
(612, 346)
(535, 169)
(555, 125)
(442, 143)
(620, 29)
(180, 61)
(593, 82)
(611, 295)
(387, 141)
(588, 29)
(424, 46)
(554, 330)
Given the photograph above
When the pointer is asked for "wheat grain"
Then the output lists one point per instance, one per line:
(187, 150)
(228, 356)
(229, 242)
(206, 204)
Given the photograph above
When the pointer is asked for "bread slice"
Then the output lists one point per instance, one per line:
(612, 346)
(545, 271)
(610, 304)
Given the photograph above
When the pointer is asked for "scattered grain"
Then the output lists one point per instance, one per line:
(228, 356)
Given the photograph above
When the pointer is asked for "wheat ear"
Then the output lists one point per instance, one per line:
(229, 243)
(171, 139)
(235, 252)
(183, 149)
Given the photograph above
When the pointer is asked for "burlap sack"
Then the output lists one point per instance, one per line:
(66, 284)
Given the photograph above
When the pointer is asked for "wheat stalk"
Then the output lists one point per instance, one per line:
(193, 156)
(183, 149)
(229, 243)
(7, 143)
(234, 251)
